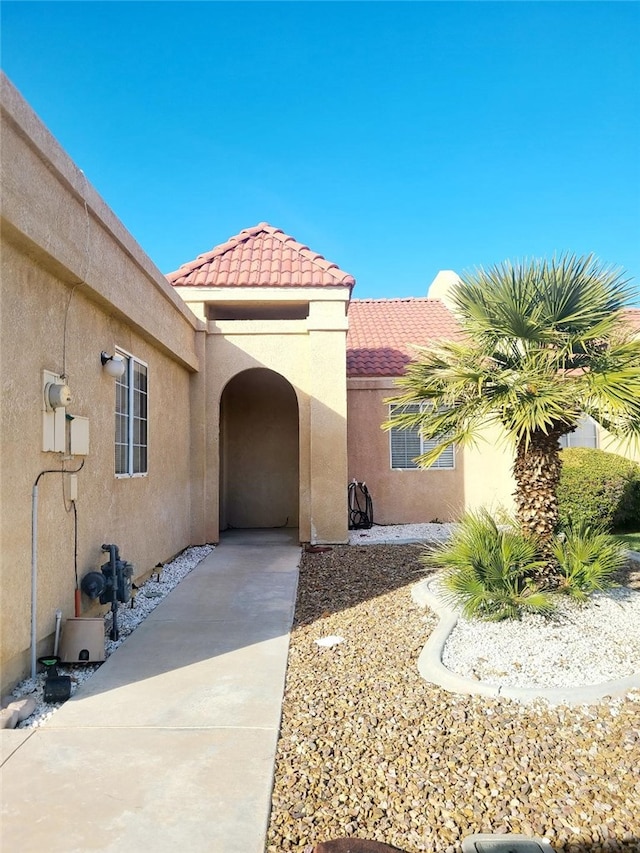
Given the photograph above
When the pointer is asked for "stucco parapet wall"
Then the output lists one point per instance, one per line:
(338, 294)
(230, 328)
(372, 383)
(51, 212)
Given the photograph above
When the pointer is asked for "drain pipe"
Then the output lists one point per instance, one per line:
(56, 642)
(34, 558)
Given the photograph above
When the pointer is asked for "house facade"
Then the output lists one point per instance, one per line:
(75, 284)
(227, 409)
(246, 389)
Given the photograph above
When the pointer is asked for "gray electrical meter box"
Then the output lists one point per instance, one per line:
(487, 843)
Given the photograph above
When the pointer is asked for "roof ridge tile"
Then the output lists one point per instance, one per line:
(262, 253)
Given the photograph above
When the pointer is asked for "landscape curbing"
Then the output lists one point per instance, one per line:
(434, 671)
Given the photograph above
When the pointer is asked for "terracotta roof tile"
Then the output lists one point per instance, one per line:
(262, 256)
(381, 332)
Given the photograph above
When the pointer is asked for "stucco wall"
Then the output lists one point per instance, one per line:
(259, 452)
(630, 449)
(399, 496)
(306, 363)
(67, 261)
(488, 481)
(488, 478)
(310, 355)
(148, 517)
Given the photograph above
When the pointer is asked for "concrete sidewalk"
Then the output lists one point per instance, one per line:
(171, 744)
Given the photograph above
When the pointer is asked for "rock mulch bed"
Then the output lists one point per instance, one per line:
(368, 749)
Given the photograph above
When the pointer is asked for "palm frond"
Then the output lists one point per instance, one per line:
(545, 341)
(488, 569)
(588, 559)
(533, 299)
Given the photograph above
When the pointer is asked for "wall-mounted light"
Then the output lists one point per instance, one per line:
(113, 365)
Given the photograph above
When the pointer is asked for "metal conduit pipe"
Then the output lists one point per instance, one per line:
(34, 573)
(34, 559)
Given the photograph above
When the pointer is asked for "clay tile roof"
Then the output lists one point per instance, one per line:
(262, 256)
(381, 332)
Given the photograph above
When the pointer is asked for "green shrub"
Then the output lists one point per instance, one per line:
(488, 569)
(588, 559)
(598, 488)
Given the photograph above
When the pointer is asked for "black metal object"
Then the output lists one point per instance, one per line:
(360, 506)
(57, 688)
(112, 584)
(93, 584)
(118, 574)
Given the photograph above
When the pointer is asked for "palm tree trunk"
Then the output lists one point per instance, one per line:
(537, 473)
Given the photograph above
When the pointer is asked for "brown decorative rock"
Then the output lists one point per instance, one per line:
(368, 748)
(354, 845)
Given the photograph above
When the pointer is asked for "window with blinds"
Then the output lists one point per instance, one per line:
(407, 444)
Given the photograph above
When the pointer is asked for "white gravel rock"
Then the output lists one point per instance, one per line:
(381, 534)
(332, 640)
(147, 598)
(581, 644)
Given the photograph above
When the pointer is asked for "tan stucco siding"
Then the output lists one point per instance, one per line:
(259, 452)
(52, 212)
(74, 283)
(148, 517)
(399, 496)
(328, 473)
(312, 361)
(488, 481)
(628, 448)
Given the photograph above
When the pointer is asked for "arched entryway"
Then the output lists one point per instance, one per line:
(259, 451)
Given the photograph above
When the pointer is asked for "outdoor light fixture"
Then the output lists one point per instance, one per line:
(113, 365)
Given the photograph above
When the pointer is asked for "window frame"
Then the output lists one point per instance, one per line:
(565, 440)
(131, 362)
(425, 445)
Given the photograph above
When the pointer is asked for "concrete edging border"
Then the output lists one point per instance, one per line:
(432, 669)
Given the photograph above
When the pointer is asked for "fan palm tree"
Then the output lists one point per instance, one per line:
(543, 343)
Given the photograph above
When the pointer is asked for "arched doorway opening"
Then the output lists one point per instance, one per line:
(259, 452)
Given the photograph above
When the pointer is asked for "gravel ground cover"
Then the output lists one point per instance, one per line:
(369, 749)
(148, 596)
(578, 645)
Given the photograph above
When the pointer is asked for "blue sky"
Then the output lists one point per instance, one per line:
(395, 138)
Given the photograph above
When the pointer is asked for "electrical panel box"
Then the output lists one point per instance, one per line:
(54, 427)
(78, 436)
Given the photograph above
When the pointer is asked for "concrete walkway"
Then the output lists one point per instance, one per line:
(170, 746)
